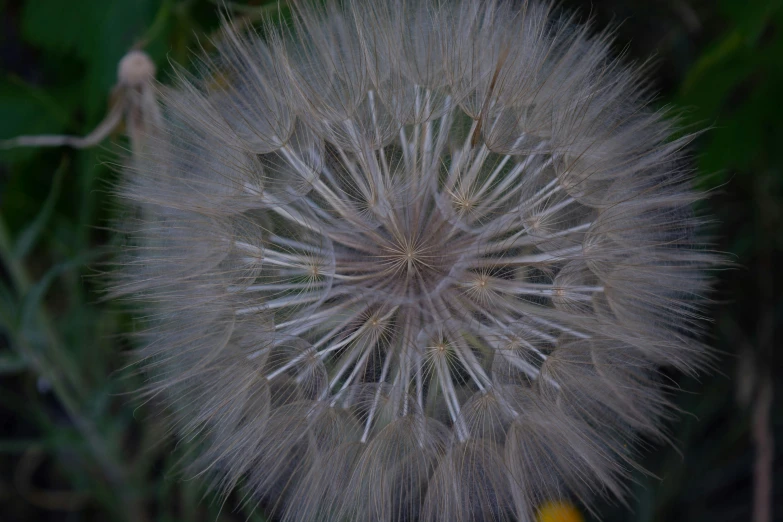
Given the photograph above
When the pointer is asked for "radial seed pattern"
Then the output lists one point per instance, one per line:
(414, 260)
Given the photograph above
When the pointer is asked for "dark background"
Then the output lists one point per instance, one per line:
(75, 445)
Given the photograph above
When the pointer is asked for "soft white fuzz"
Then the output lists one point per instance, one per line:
(410, 260)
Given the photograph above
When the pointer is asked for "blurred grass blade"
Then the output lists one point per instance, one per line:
(33, 299)
(11, 363)
(29, 236)
(38, 341)
(7, 306)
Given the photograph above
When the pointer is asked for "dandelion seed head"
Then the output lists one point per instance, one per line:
(414, 261)
(135, 69)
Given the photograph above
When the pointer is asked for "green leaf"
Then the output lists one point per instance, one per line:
(62, 27)
(99, 32)
(26, 110)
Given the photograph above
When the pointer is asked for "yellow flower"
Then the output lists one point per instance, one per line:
(559, 511)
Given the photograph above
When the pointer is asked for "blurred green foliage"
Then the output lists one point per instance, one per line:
(76, 446)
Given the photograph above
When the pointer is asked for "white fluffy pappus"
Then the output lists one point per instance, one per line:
(414, 261)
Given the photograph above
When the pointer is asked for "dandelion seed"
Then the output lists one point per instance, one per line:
(133, 100)
(414, 261)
